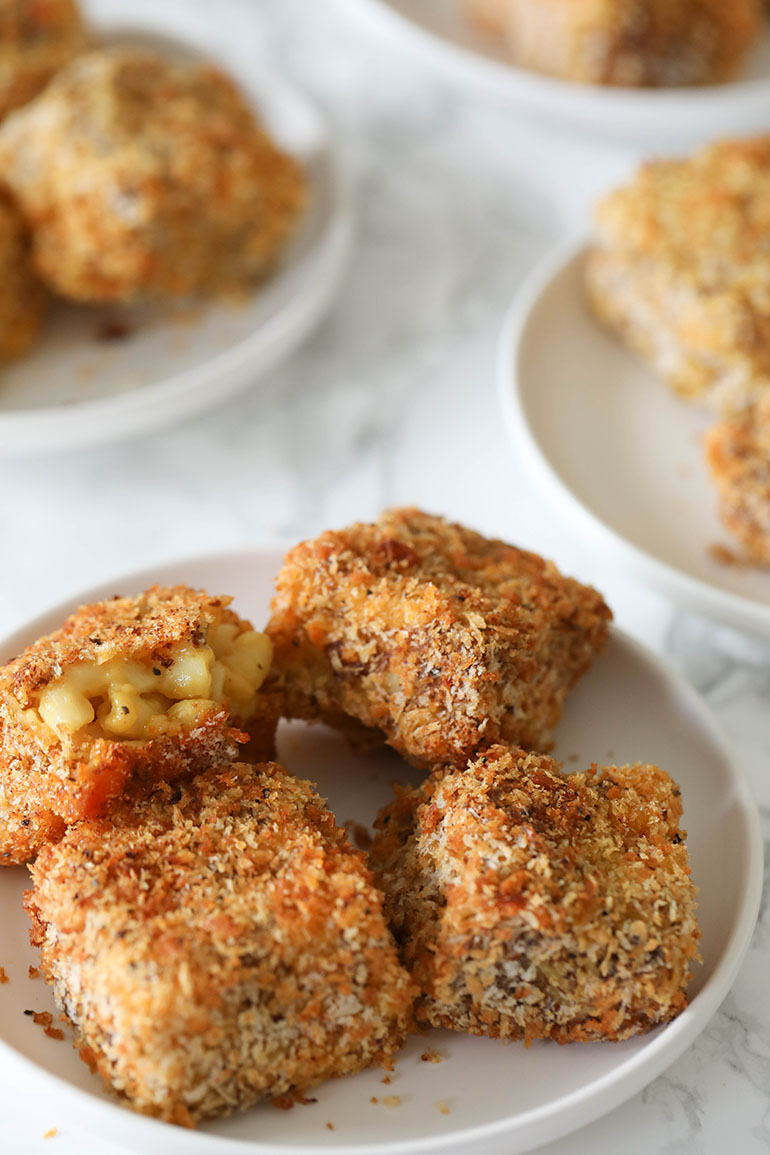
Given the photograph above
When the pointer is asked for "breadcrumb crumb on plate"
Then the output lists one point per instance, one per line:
(502, 1097)
(177, 358)
(614, 451)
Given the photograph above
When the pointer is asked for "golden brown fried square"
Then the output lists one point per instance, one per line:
(440, 639)
(533, 905)
(738, 457)
(146, 176)
(217, 942)
(144, 688)
(681, 270)
(633, 43)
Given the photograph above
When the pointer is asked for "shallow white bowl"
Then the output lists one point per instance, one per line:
(615, 451)
(502, 1099)
(441, 32)
(76, 388)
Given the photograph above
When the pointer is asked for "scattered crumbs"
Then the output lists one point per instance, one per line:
(374, 1099)
(389, 1064)
(283, 1102)
(724, 556)
(305, 1102)
(49, 1134)
(387, 1079)
(431, 1056)
(330, 1126)
(113, 329)
(44, 1019)
(88, 1057)
(34, 972)
(3, 976)
(392, 1101)
(358, 833)
(442, 1107)
(573, 757)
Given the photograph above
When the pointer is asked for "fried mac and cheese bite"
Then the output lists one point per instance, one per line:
(23, 298)
(37, 38)
(530, 905)
(218, 942)
(632, 43)
(439, 639)
(143, 176)
(680, 268)
(144, 687)
(738, 458)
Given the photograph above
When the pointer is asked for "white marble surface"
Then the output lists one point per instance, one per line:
(392, 401)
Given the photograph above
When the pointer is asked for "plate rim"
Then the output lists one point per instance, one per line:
(575, 1109)
(642, 567)
(565, 100)
(229, 371)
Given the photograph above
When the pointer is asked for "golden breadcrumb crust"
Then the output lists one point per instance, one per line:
(681, 269)
(37, 38)
(632, 43)
(532, 905)
(218, 942)
(145, 176)
(439, 638)
(23, 299)
(50, 779)
(738, 457)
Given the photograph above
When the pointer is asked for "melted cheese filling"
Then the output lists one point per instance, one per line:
(135, 699)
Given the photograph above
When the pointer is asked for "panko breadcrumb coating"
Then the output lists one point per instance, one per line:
(738, 457)
(532, 905)
(440, 639)
(142, 176)
(143, 687)
(23, 299)
(37, 38)
(681, 270)
(218, 944)
(633, 43)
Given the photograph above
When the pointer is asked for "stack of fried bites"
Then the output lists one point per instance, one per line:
(203, 921)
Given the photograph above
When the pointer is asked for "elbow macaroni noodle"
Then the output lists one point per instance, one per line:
(132, 699)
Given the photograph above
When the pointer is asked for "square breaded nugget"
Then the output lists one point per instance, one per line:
(532, 905)
(633, 43)
(216, 942)
(439, 638)
(142, 175)
(681, 270)
(738, 457)
(135, 687)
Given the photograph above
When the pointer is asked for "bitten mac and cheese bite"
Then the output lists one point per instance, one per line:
(145, 687)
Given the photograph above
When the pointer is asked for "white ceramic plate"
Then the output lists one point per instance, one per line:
(440, 30)
(79, 386)
(502, 1099)
(615, 451)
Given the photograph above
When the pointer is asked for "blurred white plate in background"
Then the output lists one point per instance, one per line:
(441, 31)
(615, 451)
(99, 374)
